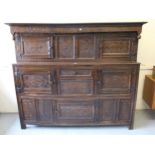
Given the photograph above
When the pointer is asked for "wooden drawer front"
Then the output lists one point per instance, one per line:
(115, 110)
(35, 80)
(75, 46)
(37, 109)
(34, 46)
(75, 111)
(118, 45)
(117, 79)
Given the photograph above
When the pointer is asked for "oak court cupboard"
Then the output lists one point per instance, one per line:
(79, 74)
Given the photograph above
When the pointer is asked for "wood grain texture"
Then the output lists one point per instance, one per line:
(149, 91)
(76, 74)
(75, 47)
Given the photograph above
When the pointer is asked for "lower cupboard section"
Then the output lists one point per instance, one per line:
(74, 112)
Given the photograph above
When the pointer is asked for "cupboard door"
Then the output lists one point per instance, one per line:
(119, 45)
(35, 80)
(75, 81)
(75, 111)
(31, 47)
(116, 79)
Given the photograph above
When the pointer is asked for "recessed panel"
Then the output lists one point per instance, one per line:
(107, 110)
(124, 110)
(64, 46)
(36, 45)
(86, 46)
(70, 110)
(36, 81)
(115, 81)
(76, 87)
(45, 110)
(29, 109)
(116, 46)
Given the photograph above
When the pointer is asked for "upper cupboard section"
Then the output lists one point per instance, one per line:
(81, 46)
(76, 42)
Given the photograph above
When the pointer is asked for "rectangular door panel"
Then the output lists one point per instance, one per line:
(75, 111)
(116, 79)
(34, 46)
(115, 110)
(45, 110)
(107, 110)
(77, 81)
(29, 109)
(36, 82)
(37, 110)
(76, 87)
(86, 46)
(64, 46)
(124, 110)
(119, 45)
(35, 79)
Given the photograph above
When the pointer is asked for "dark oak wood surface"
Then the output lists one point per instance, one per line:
(76, 74)
(34, 47)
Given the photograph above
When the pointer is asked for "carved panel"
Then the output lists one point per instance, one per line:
(75, 111)
(119, 45)
(107, 110)
(29, 109)
(34, 46)
(39, 82)
(35, 109)
(79, 46)
(76, 87)
(115, 109)
(124, 110)
(64, 46)
(36, 80)
(116, 46)
(86, 46)
(77, 81)
(45, 110)
(115, 80)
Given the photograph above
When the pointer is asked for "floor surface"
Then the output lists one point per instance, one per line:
(144, 124)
